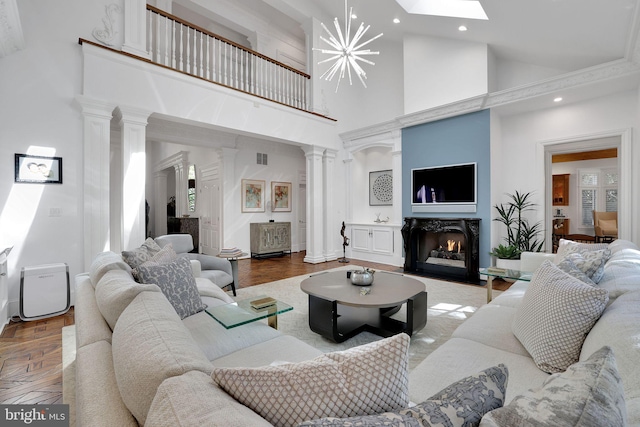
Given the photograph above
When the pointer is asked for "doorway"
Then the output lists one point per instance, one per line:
(604, 152)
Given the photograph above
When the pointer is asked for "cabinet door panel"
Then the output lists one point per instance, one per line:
(382, 240)
(360, 238)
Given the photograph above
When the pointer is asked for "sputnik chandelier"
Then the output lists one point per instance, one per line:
(346, 52)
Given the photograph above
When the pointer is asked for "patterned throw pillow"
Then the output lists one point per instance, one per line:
(163, 256)
(463, 403)
(587, 394)
(177, 283)
(368, 379)
(142, 254)
(556, 314)
(590, 258)
(569, 267)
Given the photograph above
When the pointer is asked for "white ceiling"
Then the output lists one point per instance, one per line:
(560, 34)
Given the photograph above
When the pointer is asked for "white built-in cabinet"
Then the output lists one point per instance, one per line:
(376, 243)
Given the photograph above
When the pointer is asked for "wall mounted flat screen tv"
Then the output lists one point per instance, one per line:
(449, 188)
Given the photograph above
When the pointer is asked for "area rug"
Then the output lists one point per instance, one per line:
(449, 304)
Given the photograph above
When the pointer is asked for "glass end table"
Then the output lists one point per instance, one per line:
(242, 312)
(503, 273)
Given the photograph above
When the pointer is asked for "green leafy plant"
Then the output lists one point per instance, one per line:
(521, 235)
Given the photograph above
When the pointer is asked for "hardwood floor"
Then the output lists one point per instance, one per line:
(31, 352)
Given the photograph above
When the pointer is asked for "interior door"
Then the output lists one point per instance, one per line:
(209, 200)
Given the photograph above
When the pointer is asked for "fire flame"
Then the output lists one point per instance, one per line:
(451, 245)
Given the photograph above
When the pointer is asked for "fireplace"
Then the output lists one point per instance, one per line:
(442, 247)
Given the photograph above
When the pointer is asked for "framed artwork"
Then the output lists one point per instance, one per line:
(38, 169)
(252, 195)
(280, 196)
(381, 188)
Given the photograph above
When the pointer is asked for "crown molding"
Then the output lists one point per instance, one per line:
(11, 36)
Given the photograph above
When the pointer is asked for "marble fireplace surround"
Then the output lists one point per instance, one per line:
(414, 232)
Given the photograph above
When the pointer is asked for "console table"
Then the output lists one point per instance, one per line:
(270, 239)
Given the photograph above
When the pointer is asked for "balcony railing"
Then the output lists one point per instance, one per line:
(187, 48)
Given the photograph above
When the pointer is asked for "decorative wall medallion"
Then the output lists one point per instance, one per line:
(108, 33)
(381, 188)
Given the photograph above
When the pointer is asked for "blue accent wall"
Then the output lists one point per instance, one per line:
(460, 139)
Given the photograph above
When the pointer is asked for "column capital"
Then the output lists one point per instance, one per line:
(95, 107)
(131, 115)
(330, 153)
(313, 151)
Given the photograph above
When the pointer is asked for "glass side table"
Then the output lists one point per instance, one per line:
(242, 312)
(503, 273)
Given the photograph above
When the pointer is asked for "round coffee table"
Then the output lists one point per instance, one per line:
(338, 310)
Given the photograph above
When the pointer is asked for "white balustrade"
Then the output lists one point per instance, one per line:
(184, 47)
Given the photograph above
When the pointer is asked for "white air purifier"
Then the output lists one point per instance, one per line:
(44, 291)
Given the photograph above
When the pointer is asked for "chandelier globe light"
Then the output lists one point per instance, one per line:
(345, 51)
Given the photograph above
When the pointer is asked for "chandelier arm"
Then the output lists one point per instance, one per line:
(339, 31)
(358, 35)
(333, 43)
(366, 61)
(333, 58)
(359, 72)
(347, 23)
(367, 42)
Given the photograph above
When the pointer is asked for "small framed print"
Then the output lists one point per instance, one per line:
(38, 169)
(252, 195)
(280, 196)
(381, 188)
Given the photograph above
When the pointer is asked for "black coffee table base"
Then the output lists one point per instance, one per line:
(339, 322)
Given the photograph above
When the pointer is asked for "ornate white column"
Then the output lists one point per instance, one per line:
(181, 170)
(132, 122)
(97, 133)
(135, 28)
(396, 162)
(315, 205)
(348, 161)
(329, 223)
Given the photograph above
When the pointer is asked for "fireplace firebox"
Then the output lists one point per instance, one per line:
(442, 247)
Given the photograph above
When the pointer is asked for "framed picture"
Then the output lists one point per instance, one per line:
(381, 188)
(38, 169)
(252, 195)
(280, 196)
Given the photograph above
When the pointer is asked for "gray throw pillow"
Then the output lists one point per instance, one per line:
(587, 394)
(570, 267)
(137, 256)
(177, 283)
(556, 314)
(462, 404)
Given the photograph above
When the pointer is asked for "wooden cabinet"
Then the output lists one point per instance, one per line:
(560, 190)
(270, 238)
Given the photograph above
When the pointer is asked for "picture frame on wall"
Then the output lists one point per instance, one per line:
(252, 195)
(381, 188)
(281, 196)
(33, 169)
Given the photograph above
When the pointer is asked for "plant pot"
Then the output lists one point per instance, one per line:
(509, 264)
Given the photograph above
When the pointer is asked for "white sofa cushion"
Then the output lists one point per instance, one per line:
(150, 344)
(587, 394)
(104, 262)
(115, 291)
(193, 399)
(556, 313)
(363, 380)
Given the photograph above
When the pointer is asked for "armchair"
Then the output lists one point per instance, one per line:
(605, 224)
(218, 270)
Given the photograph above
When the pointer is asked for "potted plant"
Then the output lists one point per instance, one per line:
(521, 234)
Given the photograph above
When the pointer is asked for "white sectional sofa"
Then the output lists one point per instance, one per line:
(487, 337)
(138, 363)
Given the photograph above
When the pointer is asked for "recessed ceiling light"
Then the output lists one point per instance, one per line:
(558, 99)
(396, 21)
(462, 28)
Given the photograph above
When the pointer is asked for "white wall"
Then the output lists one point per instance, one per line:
(522, 136)
(439, 71)
(366, 161)
(284, 165)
